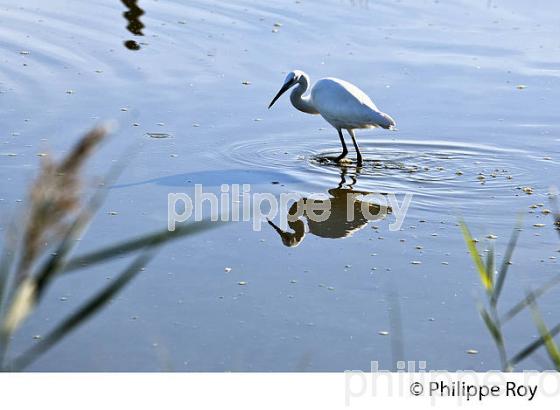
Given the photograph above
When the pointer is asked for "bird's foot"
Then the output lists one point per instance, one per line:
(343, 161)
(342, 157)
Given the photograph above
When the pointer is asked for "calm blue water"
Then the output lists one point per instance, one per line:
(469, 139)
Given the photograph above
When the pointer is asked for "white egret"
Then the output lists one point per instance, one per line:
(341, 104)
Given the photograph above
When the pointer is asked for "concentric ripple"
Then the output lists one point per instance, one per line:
(440, 174)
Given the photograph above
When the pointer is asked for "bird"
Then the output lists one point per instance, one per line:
(340, 103)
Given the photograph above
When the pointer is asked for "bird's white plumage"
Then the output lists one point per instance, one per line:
(340, 103)
(344, 105)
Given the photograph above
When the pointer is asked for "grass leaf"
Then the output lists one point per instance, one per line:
(529, 349)
(492, 327)
(505, 264)
(82, 314)
(485, 277)
(495, 330)
(551, 347)
(6, 264)
(510, 314)
(21, 305)
(491, 263)
(149, 240)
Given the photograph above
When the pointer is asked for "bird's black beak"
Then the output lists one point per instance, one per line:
(284, 88)
(276, 228)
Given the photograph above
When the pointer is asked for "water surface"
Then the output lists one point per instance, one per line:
(201, 75)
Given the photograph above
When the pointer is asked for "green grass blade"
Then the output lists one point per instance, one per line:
(485, 277)
(532, 347)
(6, 264)
(491, 263)
(495, 331)
(492, 327)
(551, 347)
(515, 310)
(149, 240)
(505, 264)
(82, 314)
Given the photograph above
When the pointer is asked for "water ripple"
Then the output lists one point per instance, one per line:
(439, 173)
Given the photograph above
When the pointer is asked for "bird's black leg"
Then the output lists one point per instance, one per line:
(344, 149)
(358, 154)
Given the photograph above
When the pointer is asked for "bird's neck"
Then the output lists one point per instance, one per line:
(302, 103)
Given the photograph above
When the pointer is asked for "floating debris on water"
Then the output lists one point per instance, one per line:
(527, 189)
(158, 135)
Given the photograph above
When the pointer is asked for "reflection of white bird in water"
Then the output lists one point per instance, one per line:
(341, 104)
(348, 212)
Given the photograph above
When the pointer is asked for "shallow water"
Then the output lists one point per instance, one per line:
(189, 86)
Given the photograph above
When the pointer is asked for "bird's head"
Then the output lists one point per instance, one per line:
(389, 123)
(292, 79)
